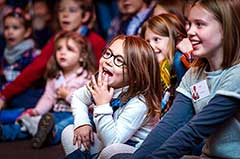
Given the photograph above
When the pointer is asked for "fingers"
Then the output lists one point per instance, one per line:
(86, 142)
(77, 140)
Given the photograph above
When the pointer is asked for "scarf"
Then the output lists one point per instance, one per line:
(13, 54)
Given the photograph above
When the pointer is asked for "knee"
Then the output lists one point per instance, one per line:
(67, 139)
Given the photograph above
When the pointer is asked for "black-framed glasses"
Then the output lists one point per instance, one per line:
(118, 60)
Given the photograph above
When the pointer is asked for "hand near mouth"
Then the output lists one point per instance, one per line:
(101, 92)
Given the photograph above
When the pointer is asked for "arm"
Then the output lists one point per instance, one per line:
(79, 104)
(179, 114)
(47, 100)
(31, 73)
(201, 126)
(123, 128)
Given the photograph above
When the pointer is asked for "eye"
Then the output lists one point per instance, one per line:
(199, 24)
(156, 39)
(73, 9)
(70, 48)
(6, 27)
(15, 27)
(61, 9)
(58, 48)
(107, 54)
(119, 60)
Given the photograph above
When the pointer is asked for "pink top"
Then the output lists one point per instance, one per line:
(49, 98)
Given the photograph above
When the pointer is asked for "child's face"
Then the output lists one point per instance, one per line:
(205, 33)
(159, 44)
(14, 31)
(159, 10)
(131, 7)
(114, 64)
(67, 54)
(70, 15)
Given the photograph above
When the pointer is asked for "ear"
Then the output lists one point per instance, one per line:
(86, 17)
(28, 33)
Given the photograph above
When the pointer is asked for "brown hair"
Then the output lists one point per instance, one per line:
(20, 14)
(87, 60)
(143, 72)
(166, 25)
(174, 7)
(227, 13)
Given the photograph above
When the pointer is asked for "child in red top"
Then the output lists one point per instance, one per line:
(73, 15)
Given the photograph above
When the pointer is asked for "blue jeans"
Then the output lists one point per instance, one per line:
(11, 132)
(17, 105)
(8, 116)
(61, 120)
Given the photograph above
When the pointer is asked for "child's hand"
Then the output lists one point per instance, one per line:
(83, 135)
(62, 92)
(2, 104)
(184, 46)
(100, 90)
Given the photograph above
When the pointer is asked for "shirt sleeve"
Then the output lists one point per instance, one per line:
(202, 125)
(79, 104)
(178, 115)
(47, 100)
(130, 119)
(31, 73)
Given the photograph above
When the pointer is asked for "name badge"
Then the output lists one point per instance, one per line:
(199, 90)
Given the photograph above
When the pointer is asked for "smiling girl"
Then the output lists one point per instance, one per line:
(126, 97)
(214, 116)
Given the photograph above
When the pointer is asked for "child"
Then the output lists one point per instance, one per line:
(129, 72)
(164, 32)
(18, 54)
(20, 50)
(69, 20)
(214, 117)
(69, 68)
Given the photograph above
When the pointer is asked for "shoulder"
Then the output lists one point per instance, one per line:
(93, 36)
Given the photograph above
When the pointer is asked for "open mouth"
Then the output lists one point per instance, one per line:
(10, 39)
(157, 51)
(107, 72)
(195, 43)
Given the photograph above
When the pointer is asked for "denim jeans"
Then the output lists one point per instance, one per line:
(61, 120)
(11, 132)
(17, 105)
(8, 116)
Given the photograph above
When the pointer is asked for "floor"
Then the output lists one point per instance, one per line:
(22, 150)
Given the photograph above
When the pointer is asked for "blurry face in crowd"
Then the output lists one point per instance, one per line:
(70, 15)
(159, 44)
(131, 7)
(14, 31)
(67, 54)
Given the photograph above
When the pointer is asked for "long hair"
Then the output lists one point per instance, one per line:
(167, 25)
(227, 13)
(87, 60)
(143, 72)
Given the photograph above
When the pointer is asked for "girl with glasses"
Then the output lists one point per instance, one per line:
(125, 96)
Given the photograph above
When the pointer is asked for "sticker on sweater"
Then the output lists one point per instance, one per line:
(199, 90)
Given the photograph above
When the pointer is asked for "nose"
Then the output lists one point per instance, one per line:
(191, 31)
(109, 61)
(153, 44)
